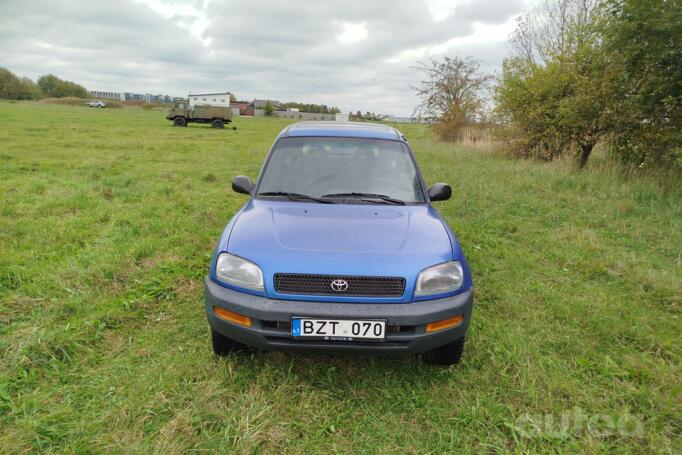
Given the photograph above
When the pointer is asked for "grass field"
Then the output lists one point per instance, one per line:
(107, 222)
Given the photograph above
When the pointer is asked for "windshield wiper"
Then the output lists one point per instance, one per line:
(369, 197)
(296, 196)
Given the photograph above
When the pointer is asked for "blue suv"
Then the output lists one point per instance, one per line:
(339, 250)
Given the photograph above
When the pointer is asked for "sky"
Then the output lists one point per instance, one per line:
(356, 55)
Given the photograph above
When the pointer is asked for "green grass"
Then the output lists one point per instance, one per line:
(107, 222)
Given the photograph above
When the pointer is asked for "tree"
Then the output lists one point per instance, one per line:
(232, 98)
(549, 109)
(313, 108)
(596, 71)
(54, 87)
(267, 109)
(558, 91)
(555, 28)
(13, 87)
(451, 95)
(643, 40)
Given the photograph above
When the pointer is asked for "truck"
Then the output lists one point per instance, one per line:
(183, 113)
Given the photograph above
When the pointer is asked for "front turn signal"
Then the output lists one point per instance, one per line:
(445, 324)
(232, 317)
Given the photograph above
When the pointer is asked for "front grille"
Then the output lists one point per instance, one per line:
(364, 286)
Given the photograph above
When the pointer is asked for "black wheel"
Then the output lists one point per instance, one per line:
(450, 354)
(179, 121)
(217, 123)
(223, 345)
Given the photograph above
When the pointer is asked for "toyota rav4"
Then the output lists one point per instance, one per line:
(339, 249)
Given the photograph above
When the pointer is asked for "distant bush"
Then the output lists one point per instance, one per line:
(313, 108)
(67, 101)
(73, 101)
(54, 87)
(139, 104)
(13, 87)
(267, 109)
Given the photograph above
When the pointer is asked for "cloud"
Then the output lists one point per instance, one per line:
(352, 54)
(352, 33)
(187, 16)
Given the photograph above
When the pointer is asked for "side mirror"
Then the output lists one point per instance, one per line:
(242, 184)
(439, 192)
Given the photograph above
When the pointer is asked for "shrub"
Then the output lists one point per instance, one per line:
(73, 101)
(67, 101)
(13, 87)
(54, 87)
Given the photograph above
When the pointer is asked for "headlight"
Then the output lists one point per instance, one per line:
(239, 272)
(440, 278)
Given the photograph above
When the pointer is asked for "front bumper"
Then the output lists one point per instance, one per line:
(271, 319)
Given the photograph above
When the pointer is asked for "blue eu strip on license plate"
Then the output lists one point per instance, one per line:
(296, 327)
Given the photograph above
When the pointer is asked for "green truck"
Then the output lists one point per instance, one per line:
(183, 113)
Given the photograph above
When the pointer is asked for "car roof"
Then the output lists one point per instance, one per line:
(342, 129)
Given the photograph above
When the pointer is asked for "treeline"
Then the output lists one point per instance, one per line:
(583, 73)
(13, 87)
(313, 108)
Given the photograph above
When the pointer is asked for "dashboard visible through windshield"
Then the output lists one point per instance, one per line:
(341, 169)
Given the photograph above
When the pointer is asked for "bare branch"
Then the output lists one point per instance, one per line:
(452, 85)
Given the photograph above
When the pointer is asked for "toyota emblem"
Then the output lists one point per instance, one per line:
(339, 285)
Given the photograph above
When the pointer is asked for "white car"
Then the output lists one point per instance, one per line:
(95, 104)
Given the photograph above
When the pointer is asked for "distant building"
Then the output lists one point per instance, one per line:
(339, 117)
(243, 106)
(213, 99)
(128, 96)
(107, 95)
(133, 97)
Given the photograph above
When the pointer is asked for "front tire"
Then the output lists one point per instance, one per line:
(217, 123)
(223, 346)
(450, 354)
(179, 121)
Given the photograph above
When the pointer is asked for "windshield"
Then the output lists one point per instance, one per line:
(336, 167)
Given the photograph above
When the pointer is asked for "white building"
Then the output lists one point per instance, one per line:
(107, 95)
(341, 117)
(212, 99)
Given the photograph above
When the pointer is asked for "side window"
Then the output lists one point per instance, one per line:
(222, 101)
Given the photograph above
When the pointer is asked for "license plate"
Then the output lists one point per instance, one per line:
(338, 329)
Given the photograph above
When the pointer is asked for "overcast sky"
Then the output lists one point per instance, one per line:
(354, 54)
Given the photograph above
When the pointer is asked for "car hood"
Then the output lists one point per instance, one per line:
(338, 239)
